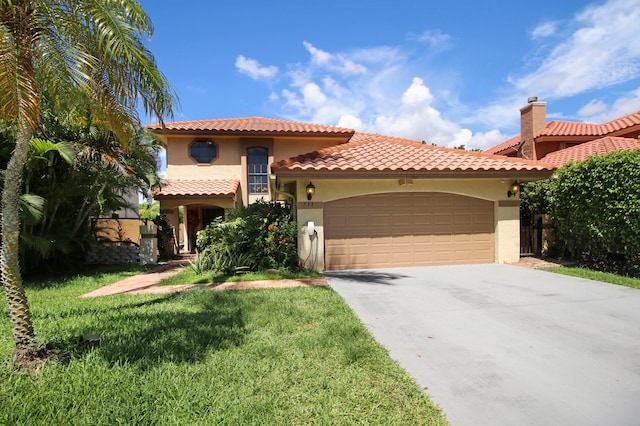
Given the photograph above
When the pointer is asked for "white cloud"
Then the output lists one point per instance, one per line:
(434, 38)
(486, 140)
(350, 122)
(253, 69)
(545, 29)
(382, 90)
(603, 51)
(504, 114)
(384, 100)
(417, 119)
(339, 63)
(593, 108)
(597, 111)
(318, 57)
(313, 96)
(334, 88)
(596, 50)
(292, 99)
(417, 94)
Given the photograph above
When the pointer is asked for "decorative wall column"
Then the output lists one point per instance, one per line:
(148, 244)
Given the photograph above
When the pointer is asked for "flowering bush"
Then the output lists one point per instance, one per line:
(253, 238)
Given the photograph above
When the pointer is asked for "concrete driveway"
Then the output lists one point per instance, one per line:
(506, 345)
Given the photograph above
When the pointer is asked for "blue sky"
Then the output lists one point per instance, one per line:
(448, 72)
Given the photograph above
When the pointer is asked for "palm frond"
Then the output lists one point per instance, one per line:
(32, 208)
(41, 147)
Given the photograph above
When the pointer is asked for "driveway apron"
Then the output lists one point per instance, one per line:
(505, 345)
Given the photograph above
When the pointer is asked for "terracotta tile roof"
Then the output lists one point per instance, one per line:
(557, 128)
(375, 153)
(509, 144)
(251, 125)
(596, 147)
(570, 128)
(198, 188)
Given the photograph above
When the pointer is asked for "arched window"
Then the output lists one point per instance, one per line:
(257, 164)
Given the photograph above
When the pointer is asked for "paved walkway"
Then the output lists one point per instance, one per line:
(146, 283)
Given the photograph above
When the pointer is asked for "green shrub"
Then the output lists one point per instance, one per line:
(253, 238)
(595, 210)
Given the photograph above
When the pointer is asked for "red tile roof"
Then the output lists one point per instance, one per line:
(557, 128)
(250, 125)
(596, 147)
(375, 153)
(198, 188)
(570, 128)
(508, 145)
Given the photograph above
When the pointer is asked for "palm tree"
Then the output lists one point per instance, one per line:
(66, 47)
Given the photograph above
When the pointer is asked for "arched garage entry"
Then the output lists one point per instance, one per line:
(408, 229)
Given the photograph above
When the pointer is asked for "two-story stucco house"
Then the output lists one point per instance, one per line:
(361, 200)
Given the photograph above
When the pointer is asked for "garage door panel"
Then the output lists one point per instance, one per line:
(400, 219)
(406, 229)
(420, 218)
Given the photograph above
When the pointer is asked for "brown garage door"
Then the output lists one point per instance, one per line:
(408, 229)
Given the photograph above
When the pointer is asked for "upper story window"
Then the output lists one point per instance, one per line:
(203, 150)
(257, 164)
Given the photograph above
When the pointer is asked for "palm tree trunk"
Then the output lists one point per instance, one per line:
(19, 312)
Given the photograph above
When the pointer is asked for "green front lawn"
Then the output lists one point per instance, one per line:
(275, 356)
(597, 276)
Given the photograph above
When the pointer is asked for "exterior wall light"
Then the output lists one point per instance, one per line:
(310, 191)
(514, 190)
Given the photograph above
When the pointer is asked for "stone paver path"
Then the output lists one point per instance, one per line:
(141, 281)
(242, 285)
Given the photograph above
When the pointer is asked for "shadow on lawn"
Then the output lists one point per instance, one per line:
(182, 327)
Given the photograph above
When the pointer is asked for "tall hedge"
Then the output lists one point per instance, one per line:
(595, 208)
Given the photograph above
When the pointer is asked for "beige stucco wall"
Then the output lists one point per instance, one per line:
(180, 165)
(231, 161)
(119, 229)
(506, 217)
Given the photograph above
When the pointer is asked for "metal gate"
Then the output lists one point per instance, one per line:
(531, 238)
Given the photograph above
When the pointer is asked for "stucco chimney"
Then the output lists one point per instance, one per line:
(533, 119)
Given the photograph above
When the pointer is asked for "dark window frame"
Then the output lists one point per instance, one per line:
(201, 155)
(258, 172)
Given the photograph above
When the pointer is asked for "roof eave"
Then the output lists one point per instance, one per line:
(434, 174)
(170, 197)
(199, 132)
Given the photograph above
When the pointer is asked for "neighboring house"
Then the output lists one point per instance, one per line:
(376, 201)
(559, 142)
(131, 211)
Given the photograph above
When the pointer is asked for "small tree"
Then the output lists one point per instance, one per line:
(595, 209)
